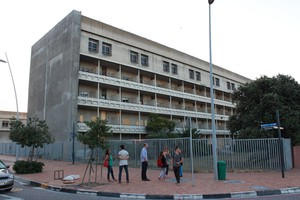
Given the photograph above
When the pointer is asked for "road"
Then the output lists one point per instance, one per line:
(22, 191)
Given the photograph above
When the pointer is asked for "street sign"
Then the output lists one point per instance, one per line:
(268, 126)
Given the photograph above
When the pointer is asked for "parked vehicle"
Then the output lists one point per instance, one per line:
(6, 177)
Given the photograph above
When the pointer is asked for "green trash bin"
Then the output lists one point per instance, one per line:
(221, 170)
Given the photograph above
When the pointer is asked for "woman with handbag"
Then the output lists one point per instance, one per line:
(108, 162)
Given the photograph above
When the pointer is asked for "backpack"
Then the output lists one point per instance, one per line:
(159, 162)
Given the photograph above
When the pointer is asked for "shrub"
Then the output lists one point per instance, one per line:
(28, 167)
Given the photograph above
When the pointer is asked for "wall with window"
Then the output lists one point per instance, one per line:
(5, 117)
(128, 57)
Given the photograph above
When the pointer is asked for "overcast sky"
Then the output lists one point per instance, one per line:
(249, 37)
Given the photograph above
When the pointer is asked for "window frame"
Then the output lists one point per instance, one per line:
(217, 81)
(93, 45)
(191, 74)
(228, 85)
(134, 57)
(5, 124)
(233, 86)
(174, 68)
(106, 49)
(166, 66)
(198, 76)
(144, 60)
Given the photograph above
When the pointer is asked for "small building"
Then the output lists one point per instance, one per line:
(5, 117)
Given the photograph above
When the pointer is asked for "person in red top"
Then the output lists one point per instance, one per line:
(162, 174)
(110, 170)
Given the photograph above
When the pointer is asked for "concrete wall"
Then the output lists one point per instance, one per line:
(53, 82)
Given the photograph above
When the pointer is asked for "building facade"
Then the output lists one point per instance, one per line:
(5, 117)
(83, 69)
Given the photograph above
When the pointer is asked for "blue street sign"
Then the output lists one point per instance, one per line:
(268, 126)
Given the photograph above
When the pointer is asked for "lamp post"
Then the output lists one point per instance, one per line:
(12, 78)
(213, 128)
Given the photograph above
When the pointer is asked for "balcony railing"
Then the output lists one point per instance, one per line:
(84, 101)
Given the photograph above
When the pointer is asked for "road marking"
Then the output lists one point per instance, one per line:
(16, 189)
(10, 198)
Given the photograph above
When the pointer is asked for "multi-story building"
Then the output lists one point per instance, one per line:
(83, 69)
(5, 117)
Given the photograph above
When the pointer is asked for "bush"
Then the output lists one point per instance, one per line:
(28, 167)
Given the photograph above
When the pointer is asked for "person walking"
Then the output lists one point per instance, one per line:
(162, 174)
(110, 170)
(123, 156)
(176, 164)
(144, 161)
(167, 155)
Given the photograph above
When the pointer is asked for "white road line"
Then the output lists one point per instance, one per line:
(10, 198)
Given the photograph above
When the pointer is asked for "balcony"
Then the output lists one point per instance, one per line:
(104, 103)
(148, 88)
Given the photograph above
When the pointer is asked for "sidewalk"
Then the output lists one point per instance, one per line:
(236, 185)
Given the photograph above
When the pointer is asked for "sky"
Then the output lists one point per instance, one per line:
(253, 38)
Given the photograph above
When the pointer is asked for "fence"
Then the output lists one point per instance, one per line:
(239, 154)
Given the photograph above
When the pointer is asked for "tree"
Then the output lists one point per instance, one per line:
(96, 136)
(35, 134)
(257, 102)
(185, 132)
(158, 125)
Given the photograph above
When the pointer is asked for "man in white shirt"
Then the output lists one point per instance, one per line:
(123, 156)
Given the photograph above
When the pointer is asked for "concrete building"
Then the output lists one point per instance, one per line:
(83, 68)
(5, 117)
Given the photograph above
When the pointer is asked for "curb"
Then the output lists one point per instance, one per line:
(158, 196)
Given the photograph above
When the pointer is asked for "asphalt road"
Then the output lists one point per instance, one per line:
(22, 191)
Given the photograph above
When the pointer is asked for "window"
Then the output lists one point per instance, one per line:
(134, 56)
(103, 94)
(174, 69)
(198, 76)
(144, 60)
(93, 45)
(84, 94)
(5, 124)
(191, 74)
(166, 66)
(232, 86)
(106, 49)
(217, 82)
(228, 85)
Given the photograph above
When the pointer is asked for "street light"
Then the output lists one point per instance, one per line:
(213, 127)
(12, 78)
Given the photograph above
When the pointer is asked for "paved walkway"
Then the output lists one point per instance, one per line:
(236, 185)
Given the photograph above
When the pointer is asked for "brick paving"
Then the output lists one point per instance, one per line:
(204, 183)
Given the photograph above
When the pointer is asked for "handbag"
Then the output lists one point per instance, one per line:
(105, 163)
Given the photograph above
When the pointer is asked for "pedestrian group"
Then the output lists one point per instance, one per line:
(165, 156)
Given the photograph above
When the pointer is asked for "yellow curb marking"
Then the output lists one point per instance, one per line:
(44, 185)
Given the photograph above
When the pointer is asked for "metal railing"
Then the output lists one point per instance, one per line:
(239, 154)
